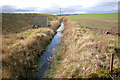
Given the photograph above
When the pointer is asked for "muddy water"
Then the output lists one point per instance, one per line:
(44, 63)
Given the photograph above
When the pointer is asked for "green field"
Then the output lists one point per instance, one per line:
(107, 20)
(95, 16)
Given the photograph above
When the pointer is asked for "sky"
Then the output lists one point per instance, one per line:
(53, 6)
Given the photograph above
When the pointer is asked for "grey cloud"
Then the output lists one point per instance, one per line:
(104, 7)
(7, 8)
(56, 10)
(10, 9)
(100, 8)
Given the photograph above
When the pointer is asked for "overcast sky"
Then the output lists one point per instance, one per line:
(53, 6)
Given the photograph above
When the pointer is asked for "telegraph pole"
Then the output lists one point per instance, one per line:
(60, 11)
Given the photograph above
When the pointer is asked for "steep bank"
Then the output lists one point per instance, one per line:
(84, 52)
(22, 48)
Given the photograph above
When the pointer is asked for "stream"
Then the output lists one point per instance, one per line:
(44, 62)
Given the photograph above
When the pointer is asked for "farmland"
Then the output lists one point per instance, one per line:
(87, 43)
(103, 22)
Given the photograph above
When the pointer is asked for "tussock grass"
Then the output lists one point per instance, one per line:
(24, 53)
(85, 52)
(105, 74)
(22, 45)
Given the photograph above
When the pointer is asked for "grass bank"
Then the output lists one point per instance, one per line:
(23, 45)
(85, 53)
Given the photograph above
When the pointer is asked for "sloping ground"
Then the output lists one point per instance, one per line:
(17, 22)
(83, 52)
(22, 48)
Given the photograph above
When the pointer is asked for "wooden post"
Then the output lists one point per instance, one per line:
(111, 61)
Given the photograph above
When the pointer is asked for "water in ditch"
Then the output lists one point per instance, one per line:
(45, 62)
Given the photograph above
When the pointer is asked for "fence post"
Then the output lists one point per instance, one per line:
(111, 61)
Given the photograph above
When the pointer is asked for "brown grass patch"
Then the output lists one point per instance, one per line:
(23, 53)
(21, 49)
(85, 52)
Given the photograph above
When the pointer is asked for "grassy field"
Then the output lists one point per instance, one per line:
(95, 16)
(85, 53)
(108, 20)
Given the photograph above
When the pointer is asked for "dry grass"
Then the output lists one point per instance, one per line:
(22, 45)
(17, 27)
(23, 54)
(85, 52)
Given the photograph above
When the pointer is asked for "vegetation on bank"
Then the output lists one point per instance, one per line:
(23, 45)
(85, 53)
